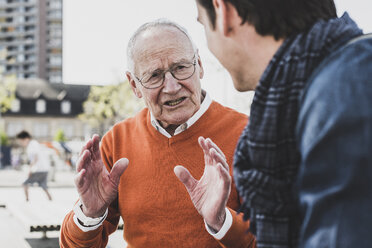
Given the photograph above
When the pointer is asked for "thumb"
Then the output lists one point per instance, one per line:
(185, 177)
(118, 169)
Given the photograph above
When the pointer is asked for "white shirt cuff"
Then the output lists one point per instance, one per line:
(90, 224)
(224, 229)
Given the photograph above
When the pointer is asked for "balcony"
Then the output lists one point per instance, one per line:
(15, 13)
(14, 34)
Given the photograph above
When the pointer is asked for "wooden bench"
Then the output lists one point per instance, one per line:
(38, 217)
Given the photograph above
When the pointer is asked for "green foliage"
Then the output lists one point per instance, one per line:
(4, 140)
(7, 92)
(60, 136)
(109, 104)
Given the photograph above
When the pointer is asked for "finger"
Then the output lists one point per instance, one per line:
(118, 169)
(225, 176)
(207, 159)
(202, 143)
(185, 177)
(83, 160)
(218, 158)
(85, 147)
(211, 144)
(95, 147)
(79, 178)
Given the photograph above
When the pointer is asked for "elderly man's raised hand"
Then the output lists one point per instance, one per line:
(97, 187)
(210, 194)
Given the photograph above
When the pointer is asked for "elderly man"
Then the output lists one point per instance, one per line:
(165, 70)
(311, 118)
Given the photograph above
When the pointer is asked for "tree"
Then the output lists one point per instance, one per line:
(60, 136)
(4, 140)
(109, 104)
(7, 92)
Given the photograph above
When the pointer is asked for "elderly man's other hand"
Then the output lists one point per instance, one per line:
(211, 192)
(97, 187)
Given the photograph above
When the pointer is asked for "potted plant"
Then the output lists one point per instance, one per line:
(5, 159)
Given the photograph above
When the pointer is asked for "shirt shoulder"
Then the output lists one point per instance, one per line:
(33, 147)
(338, 91)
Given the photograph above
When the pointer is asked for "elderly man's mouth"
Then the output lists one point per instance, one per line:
(173, 103)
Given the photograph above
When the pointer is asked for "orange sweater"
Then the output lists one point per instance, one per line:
(154, 204)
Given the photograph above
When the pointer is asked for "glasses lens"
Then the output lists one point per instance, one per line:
(183, 71)
(153, 80)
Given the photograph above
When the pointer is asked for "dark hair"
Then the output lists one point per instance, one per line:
(279, 18)
(23, 135)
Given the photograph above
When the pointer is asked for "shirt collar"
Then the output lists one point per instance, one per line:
(203, 108)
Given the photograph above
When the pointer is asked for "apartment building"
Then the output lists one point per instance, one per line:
(31, 39)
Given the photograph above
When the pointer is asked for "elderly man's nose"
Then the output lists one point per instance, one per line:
(170, 83)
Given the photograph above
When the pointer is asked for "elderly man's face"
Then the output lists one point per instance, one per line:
(159, 49)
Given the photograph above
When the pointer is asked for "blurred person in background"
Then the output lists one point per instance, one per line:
(165, 70)
(38, 161)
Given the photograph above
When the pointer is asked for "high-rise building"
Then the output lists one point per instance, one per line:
(31, 39)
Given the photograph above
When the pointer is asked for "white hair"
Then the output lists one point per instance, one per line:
(154, 24)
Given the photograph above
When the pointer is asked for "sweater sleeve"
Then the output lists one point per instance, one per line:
(238, 235)
(73, 237)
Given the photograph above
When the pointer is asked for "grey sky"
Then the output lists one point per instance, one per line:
(96, 33)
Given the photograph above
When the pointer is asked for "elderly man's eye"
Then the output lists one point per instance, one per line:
(180, 67)
(155, 75)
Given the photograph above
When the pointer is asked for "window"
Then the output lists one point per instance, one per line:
(68, 129)
(21, 58)
(40, 130)
(55, 79)
(66, 107)
(55, 42)
(16, 105)
(55, 60)
(20, 19)
(55, 4)
(56, 32)
(55, 14)
(13, 128)
(40, 106)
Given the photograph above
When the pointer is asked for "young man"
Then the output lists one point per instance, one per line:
(39, 163)
(165, 70)
(311, 118)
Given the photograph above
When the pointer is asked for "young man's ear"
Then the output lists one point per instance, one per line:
(133, 84)
(227, 17)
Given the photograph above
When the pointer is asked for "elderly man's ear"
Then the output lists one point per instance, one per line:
(201, 71)
(133, 84)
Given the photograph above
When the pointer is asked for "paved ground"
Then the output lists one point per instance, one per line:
(17, 215)
(9, 178)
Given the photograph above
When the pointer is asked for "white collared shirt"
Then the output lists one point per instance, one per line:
(203, 108)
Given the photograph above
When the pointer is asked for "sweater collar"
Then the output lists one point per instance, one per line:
(203, 108)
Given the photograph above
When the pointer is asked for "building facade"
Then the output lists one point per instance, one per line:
(31, 39)
(42, 109)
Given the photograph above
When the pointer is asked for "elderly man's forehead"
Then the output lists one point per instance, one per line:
(161, 37)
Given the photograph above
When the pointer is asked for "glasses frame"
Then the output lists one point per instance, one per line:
(169, 70)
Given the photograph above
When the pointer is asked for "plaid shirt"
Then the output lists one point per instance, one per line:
(267, 158)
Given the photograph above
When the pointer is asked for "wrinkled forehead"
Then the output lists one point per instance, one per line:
(161, 46)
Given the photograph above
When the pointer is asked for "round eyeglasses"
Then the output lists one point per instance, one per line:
(180, 71)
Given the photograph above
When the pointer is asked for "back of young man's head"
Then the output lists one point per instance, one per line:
(23, 135)
(279, 18)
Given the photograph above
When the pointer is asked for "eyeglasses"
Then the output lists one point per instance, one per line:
(180, 71)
